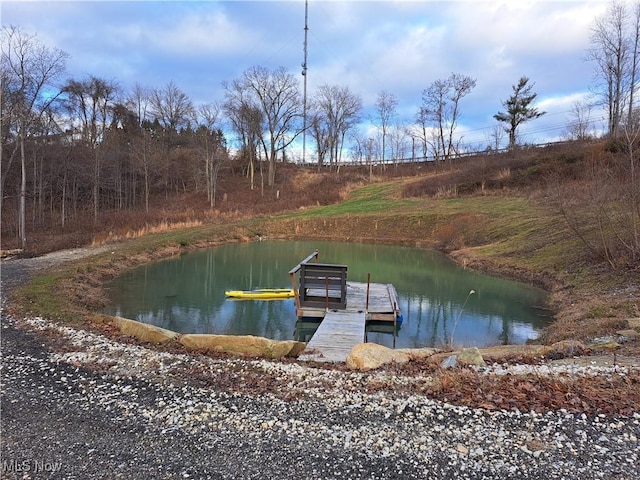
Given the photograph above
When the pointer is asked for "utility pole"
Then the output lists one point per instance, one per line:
(304, 75)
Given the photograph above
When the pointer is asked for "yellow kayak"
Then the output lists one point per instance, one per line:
(261, 294)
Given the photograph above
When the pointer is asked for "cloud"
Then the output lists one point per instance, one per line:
(211, 33)
(522, 28)
(563, 103)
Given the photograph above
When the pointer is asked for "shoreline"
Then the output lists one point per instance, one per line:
(562, 298)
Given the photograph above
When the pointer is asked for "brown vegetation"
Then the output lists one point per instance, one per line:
(594, 289)
(619, 395)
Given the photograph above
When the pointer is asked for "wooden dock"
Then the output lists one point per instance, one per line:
(341, 330)
(343, 307)
(338, 333)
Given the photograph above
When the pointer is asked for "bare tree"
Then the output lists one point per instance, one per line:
(28, 67)
(370, 153)
(119, 177)
(90, 104)
(518, 109)
(173, 111)
(441, 105)
(399, 137)
(496, 135)
(212, 146)
(423, 128)
(580, 127)
(635, 51)
(320, 131)
(277, 95)
(411, 132)
(429, 136)
(334, 111)
(386, 105)
(139, 101)
(358, 147)
(45, 156)
(611, 50)
(171, 106)
(246, 120)
(433, 110)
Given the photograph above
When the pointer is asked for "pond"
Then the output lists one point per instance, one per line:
(186, 294)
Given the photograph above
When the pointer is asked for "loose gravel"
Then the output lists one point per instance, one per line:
(79, 405)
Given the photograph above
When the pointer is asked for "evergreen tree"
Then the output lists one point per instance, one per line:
(518, 109)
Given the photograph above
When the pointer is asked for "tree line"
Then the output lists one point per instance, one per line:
(70, 145)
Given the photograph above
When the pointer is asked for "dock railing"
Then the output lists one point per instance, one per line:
(322, 285)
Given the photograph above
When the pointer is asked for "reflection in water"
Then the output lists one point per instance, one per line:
(388, 330)
(305, 328)
(186, 294)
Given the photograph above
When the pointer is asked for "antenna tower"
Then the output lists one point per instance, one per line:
(304, 75)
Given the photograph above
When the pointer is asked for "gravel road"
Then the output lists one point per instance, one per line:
(77, 405)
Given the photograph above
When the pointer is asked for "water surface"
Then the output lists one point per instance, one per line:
(186, 294)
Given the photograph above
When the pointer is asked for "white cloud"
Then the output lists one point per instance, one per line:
(562, 103)
(524, 27)
(205, 33)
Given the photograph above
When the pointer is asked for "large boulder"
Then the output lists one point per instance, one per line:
(143, 331)
(608, 342)
(369, 356)
(248, 345)
(470, 356)
(449, 362)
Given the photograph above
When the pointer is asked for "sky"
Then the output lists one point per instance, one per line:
(400, 47)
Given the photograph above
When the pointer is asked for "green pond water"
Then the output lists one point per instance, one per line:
(186, 294)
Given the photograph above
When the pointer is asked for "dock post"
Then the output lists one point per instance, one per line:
(326, 294)
(366, 305)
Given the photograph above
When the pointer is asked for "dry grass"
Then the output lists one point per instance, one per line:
(162, 227)
(504, 174)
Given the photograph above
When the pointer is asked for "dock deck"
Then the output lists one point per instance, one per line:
(338, 333)
(381, 305)
(340, 330)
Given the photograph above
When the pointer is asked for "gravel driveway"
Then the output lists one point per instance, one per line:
(79, 405)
